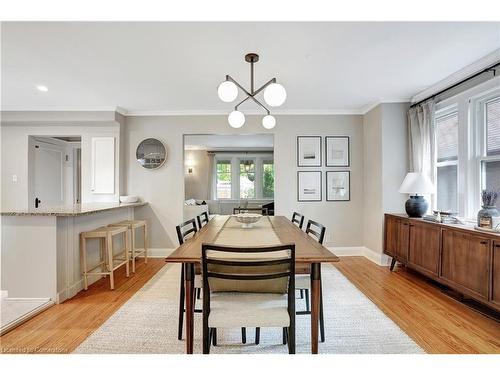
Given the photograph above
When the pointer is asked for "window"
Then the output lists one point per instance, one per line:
(490, 160)
(223, 168)
(247, 179)
(447, 160)
(268, 179)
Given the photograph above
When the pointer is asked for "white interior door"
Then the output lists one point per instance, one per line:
(48, 175)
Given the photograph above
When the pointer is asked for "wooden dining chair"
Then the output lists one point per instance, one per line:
(298, 219)
(202, 219)
(248, 287)
(303, 280)
(258, 210)
(185, 231)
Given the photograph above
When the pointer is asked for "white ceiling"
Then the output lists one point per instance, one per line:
(236, 141)
(176, 67)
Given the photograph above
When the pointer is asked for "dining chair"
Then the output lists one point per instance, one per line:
(239, 210)
(298, 219)
(185, 231)
(202, 219)
(248, 287)
(303, 280)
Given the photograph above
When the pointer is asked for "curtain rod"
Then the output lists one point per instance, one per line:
(490, 68)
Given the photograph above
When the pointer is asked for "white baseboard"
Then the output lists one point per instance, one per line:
(375, 257)
(158, 253)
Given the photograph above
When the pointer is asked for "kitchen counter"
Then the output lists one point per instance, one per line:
(71, 210)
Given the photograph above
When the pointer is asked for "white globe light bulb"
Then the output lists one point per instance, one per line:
(275, 95)
(268, 122)
(227, 91)
(236, 119)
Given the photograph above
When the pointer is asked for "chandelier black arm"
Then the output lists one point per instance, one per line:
(262, 105)
(240, 103)
(229, 78)
(272, 80)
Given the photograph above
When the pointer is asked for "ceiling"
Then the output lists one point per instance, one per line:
(175, 67)
(229, 142)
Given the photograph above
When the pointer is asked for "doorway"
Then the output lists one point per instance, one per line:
(54, 169)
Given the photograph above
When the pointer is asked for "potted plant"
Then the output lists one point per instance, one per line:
(489, 211)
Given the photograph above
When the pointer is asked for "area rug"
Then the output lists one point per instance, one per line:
(147, 323)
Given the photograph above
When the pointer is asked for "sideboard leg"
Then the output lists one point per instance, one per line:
(393, 263)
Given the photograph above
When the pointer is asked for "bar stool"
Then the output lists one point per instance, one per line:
(132, 225)
(109, 262)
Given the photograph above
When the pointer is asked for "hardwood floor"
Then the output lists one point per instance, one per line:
(61, 328)
(438, 323)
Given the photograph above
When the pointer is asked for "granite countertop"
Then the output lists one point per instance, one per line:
(71, 210)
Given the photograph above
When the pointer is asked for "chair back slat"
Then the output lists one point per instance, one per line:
(318, 231)
(250, 270)
(202, 219)
(184, 229)
(298, 219)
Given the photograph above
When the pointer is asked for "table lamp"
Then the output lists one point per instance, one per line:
(416, 184)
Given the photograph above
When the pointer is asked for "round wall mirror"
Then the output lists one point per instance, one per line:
(151, 153)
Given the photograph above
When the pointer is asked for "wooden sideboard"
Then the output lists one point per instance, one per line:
(460, 257)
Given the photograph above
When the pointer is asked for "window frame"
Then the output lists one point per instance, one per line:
(267, 161)
(216, 176)
(441, 113)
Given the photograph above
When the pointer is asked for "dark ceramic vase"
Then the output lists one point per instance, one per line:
(416, 206)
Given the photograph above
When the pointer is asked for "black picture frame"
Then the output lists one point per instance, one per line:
(319, 154)
(348, 151)
(320, 185)
(327, 190)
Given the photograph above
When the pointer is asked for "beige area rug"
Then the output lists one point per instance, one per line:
(147, 323)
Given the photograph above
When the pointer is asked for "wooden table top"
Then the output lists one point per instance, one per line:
(307, 249)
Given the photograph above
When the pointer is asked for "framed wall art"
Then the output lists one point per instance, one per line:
(337, 151)
(338, 186)
(309, 186)
(309, 151)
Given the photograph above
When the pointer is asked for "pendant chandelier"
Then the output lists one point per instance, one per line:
(274, 96)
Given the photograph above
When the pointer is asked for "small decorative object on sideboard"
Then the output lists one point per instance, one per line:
(489, 212)
(415, 184)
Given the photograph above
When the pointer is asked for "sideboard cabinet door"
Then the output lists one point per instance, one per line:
(391, 235)
(424, 248)
(465, 262)
(495, 273)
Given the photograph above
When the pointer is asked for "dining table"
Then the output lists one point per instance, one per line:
(223, 229)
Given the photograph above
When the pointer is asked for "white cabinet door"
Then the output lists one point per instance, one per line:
(103, 165)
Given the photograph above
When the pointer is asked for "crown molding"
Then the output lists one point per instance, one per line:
(367, 108)
(463, 73)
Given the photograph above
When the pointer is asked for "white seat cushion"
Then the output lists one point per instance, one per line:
(302, 282)
(231, 310)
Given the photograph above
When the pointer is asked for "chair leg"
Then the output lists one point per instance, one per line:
(198, 293)
(308, 309)
(243, 335)
(291, 338)
(207, 333)
(301, 293)
(146, 240)
(126, 254)
(110, 261)
(181, 305)
(285, 334)
(257, 335)
(214, 336)
(321, 317)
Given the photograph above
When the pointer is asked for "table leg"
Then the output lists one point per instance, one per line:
(189, 293)
(315, 299)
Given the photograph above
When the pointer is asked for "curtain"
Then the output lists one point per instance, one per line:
(211, 176)
(421, 139)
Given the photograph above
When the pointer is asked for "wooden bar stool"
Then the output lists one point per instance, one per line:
(109, 261)
(133, 225)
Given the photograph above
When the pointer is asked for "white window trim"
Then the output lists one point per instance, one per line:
(469, 144)
(235, 174)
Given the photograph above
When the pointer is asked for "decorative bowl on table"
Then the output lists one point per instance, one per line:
(248, 219)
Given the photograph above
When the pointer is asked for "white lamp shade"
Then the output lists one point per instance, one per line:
(236, 119)
(227, 91)
(275, 94)
(417, 183)
(268, 122)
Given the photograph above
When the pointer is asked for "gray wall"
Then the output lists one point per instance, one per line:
(164, 188)
(196, 183)
(386, 164)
